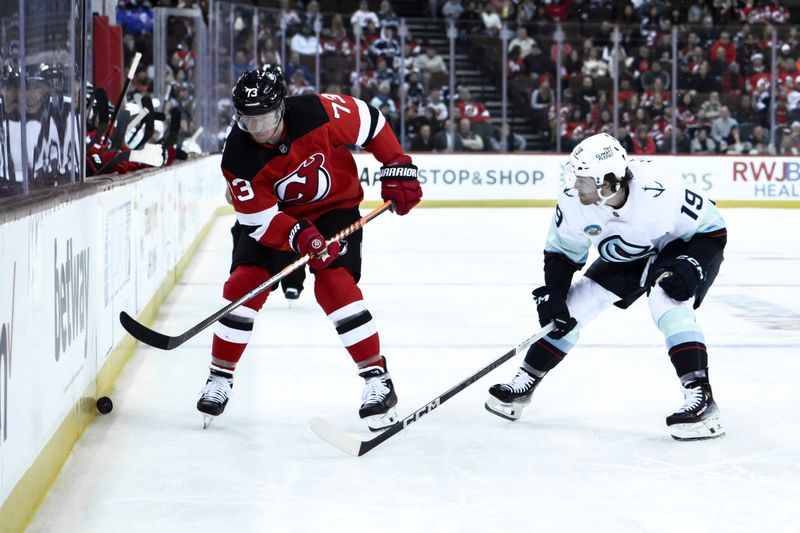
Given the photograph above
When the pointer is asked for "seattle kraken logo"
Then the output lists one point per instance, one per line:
(615, 249)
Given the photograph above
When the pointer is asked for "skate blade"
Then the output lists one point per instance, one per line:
(378, 423)
(703, 430)
(207, 419)
(509, 411)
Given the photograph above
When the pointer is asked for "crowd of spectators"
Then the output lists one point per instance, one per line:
(723, 102)
(388, 72)
(706, 77)
(136, 18)
(722, 64)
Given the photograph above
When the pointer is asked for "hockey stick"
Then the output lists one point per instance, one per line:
(164, 342)
(352, 446)
(121, 99)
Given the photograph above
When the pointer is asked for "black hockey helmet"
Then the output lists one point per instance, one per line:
(39, 72)
(10, 73)
(259, 91)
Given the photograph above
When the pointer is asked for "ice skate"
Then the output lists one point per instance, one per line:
(291, 294)
(507, 400)
(214, 396)
(379, 398)
(698, 418)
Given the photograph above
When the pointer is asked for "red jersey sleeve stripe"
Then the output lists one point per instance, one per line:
(371, 122)
(364, 122)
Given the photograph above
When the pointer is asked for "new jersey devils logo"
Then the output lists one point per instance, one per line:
(310, 182)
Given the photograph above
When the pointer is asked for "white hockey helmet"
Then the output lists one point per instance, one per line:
(597, 156)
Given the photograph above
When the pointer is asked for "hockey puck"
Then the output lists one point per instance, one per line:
(105, 405)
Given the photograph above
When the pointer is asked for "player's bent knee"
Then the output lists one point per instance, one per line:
(242, 280)
(334, 288)
(587, 299)
(660, 303)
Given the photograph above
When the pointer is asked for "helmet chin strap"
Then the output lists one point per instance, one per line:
(281, 112)
(604, 199)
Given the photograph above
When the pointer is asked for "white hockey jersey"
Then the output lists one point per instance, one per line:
(660, 208)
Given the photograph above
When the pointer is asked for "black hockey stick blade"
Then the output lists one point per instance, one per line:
(142, 333)
(146, 335)
(355, 447)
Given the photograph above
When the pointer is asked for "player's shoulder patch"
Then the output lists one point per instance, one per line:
(304, 114)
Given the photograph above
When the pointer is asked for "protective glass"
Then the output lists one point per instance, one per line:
(569, 175)
(264, 123)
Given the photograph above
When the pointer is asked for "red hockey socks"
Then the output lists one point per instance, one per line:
(341, 299)
(232, 332)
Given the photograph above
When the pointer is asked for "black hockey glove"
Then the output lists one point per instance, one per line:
(680, 277)
(552, 307)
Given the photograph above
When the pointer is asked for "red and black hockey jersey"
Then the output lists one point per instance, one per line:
(311, 171)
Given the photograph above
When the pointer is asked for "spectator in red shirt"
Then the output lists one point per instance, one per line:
(756, 71)
(643, 144)
(299, 85)
(557, 10)
(575, 129)
(687, 110)
(641, 63)
(724, 43)
(656, 89)
(471, 109)
(625, 91)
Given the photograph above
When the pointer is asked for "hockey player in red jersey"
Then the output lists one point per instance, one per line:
(293, 184)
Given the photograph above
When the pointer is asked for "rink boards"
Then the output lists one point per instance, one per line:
(66, 273)
(532, 179)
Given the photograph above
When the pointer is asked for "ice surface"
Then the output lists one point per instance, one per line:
(450, 292)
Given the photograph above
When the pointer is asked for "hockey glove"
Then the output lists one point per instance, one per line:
(304, 238)
(399, 183)
(552, 307)
(680, 277)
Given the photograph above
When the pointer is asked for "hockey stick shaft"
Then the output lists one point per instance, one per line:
(121, 100)
(348, 444)
(164, 342)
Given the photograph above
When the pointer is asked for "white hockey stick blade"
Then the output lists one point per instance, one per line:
(350, 445)
(332, 435)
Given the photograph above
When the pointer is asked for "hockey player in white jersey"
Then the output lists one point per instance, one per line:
(655, 235)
